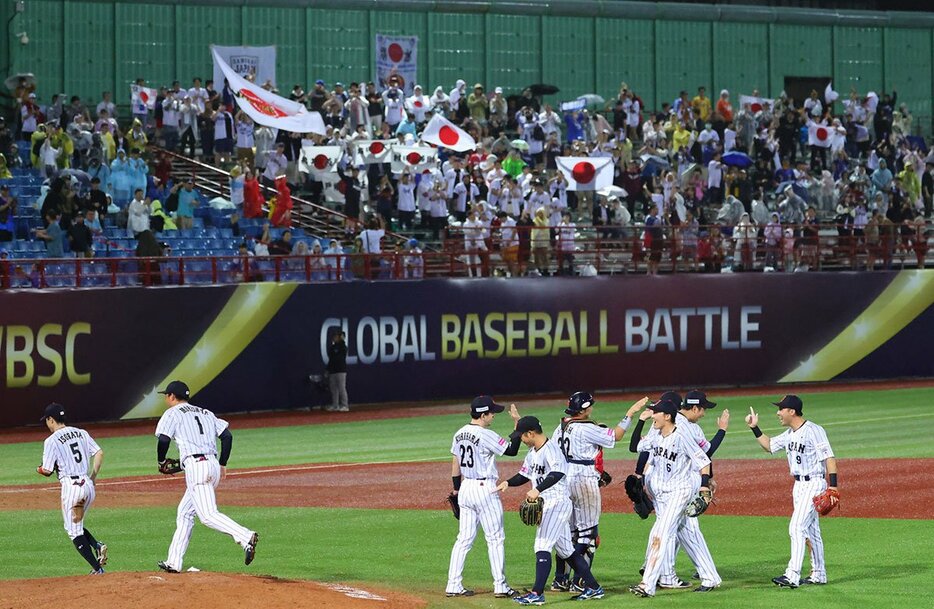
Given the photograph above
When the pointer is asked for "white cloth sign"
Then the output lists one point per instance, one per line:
(396, 58)
(373, 151)
(267, 108)
(413, 158)
(319, 159)
(258, 62)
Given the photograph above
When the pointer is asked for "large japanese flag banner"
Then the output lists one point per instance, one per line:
(820, 135)
(256, 64)
(319, 159)
(443, 133)
(413, 158)
(396, 59)
(586, 173)
(142, 98)
(268, 108)
(373, 151)
(756, 104)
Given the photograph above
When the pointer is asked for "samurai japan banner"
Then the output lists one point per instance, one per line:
(256, 64)
(396, 61)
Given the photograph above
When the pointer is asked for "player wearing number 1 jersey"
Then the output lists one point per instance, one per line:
(69, 451)
(474, 474)
(196, 430)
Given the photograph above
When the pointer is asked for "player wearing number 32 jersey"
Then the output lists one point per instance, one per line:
(69, 452)
(196, 430)
(473, 472)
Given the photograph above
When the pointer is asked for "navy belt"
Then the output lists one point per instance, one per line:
(582, 461)
(803, 478)
(75, 477)
(199, 457)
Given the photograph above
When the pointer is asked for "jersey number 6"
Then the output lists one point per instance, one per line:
(466, 456)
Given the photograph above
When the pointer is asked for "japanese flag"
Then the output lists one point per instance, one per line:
(373, 151)
(143, 96)
(334, 188)
(756, 104)
(319, 159)
(820, 135)
(586, 173)
(413, 158)
(443, 133)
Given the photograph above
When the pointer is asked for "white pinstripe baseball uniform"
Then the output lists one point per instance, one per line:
(554, 533)
(676, 460)
(195, 430)
(476, 448)
(70, 450)
(807, 448)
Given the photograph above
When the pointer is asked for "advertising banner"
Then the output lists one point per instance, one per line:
(105, 352)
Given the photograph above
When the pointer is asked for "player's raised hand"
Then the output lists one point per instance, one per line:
(514, 412)
(752, 419)
(637, 406)
(645, 415)
(723, 421)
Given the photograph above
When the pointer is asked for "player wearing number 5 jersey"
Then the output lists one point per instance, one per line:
(582, 440)
(473, 471)
(810, 458)
(195, 431)
(69, 451)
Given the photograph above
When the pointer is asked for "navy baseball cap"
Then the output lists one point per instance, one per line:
(527, 423)
(578, 402)
(672, 396)
(177, 388)
(56, 411)
(666, 406)
(790, 401)
(697, 398)
(483, 404)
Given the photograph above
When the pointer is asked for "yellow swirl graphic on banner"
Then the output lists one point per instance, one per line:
(909, 294)
(244, 316)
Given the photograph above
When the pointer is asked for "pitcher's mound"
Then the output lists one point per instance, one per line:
(200, 590)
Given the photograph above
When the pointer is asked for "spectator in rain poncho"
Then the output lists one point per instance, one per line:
(120, 179)
(138, 170)
(792, 207)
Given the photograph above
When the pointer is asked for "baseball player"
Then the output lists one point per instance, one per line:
(675, 460)
(582, 440)
(810, 458)
(545, 466)
(474, 474)
(70, 451)
(196, 430)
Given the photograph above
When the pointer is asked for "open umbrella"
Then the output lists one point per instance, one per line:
(520, 145)
(543, 89)
(13, 81)
(737, 159)
(612, 191)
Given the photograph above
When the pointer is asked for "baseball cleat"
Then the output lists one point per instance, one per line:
(249, 552)
(461, 593)
(165, 567)
(675, 585)
(560, 586)
(590, 593)
(807, 581)
(783, 582)
(705, 588)
(530, 599)
(97, 572)
(639, 590)
(509, 593)
(102, 553)
(578, 586)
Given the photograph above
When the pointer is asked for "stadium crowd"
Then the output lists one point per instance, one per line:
(707, 182)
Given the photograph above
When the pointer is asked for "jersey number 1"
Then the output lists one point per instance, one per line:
(466, 456)
(200, 428)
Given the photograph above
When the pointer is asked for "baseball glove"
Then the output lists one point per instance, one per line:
(636, 493)
(455, 506)
(605, 479)
(170, 466)
(699, 504)
(826, 501)
(530, 512)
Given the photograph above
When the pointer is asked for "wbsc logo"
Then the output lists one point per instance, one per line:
(244, 65)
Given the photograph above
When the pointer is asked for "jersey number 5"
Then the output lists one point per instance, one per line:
(466, 456)
(74, 450)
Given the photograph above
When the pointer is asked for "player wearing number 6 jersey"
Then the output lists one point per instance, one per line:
(196, 430)
(810, 458)
(581, 440)
(474, 474)
(69, 451)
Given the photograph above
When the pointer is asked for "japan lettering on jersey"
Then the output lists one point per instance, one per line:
(582, 441)
(476, 448)
(675, 458)
(693, 430)
(194, 429)
(807, 449)
(70, 449)
(539, 463)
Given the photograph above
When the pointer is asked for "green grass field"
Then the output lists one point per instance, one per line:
(871, 563)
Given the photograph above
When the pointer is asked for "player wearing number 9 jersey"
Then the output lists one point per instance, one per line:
(196, 430)
(69, 451)
(473, 472)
